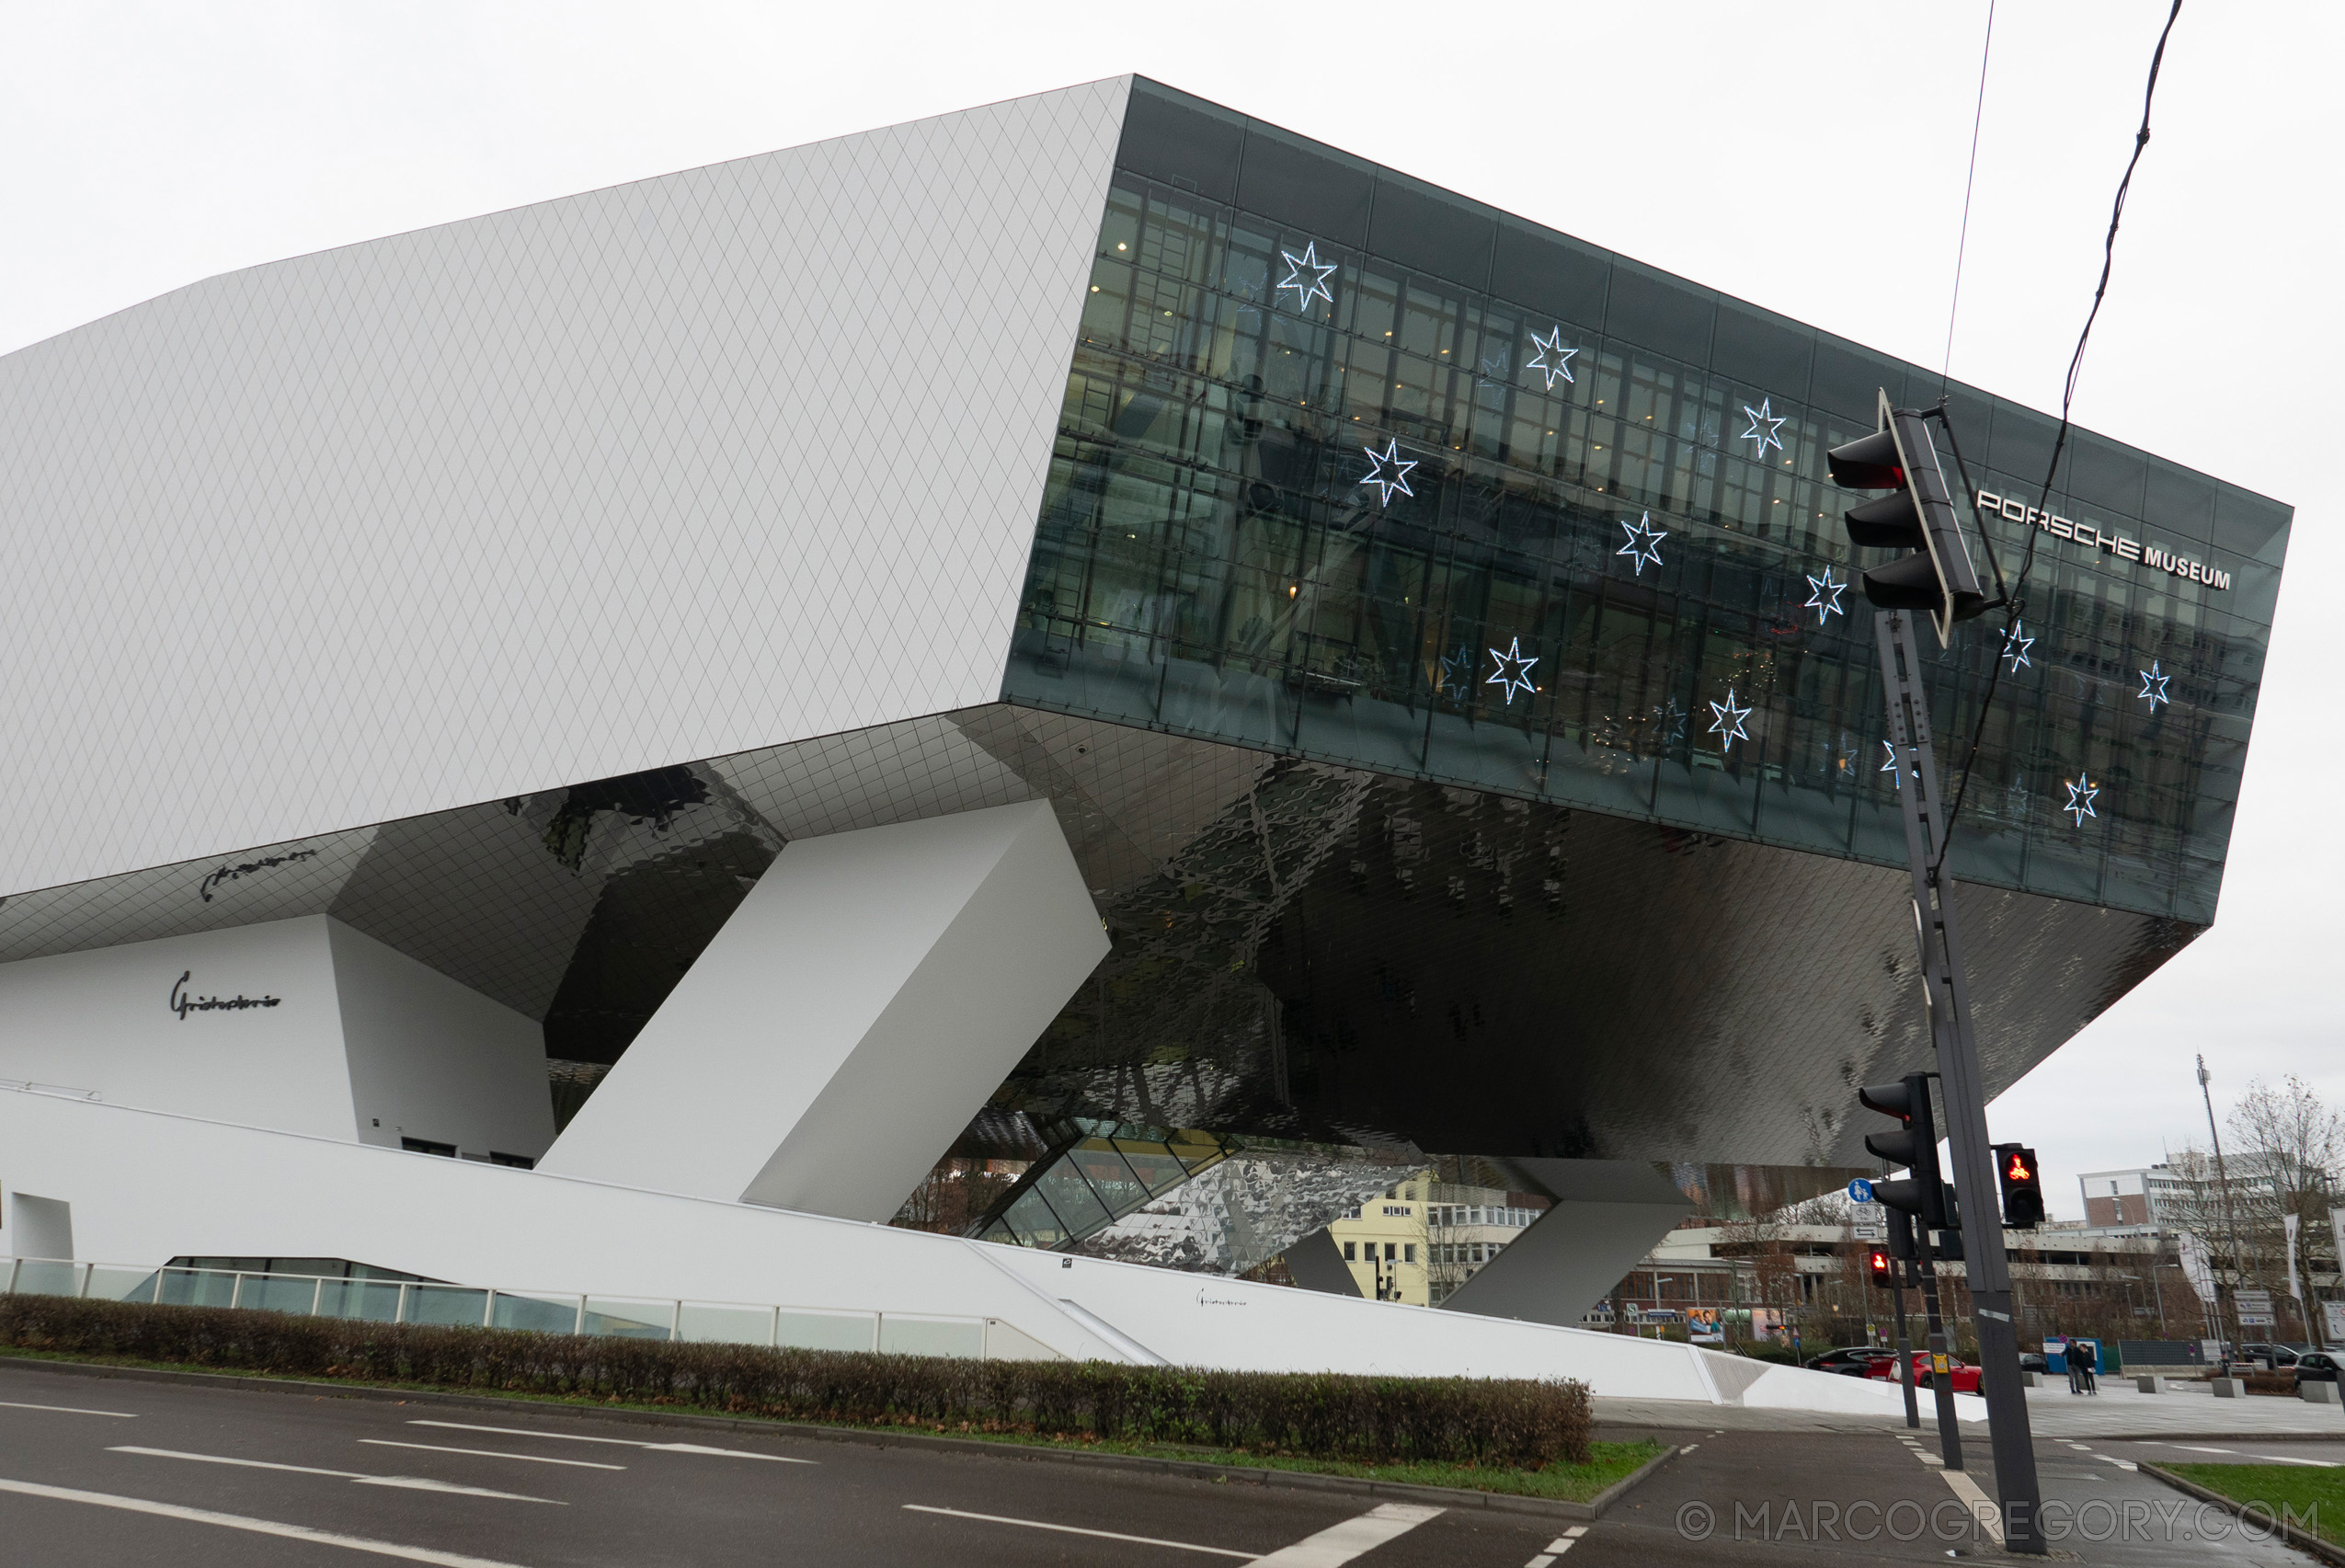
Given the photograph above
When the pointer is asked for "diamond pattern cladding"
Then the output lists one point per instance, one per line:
(672, 470)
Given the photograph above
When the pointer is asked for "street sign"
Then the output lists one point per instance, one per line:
(2254, 1320)
(1860, 1191)
(2253, 1300)
(2335, 1313)
(1871, 1233)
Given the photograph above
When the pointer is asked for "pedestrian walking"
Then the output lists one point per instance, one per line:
(2075, 1367)
(2088, 1364)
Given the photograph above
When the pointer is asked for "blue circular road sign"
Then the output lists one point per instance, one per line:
(1860, 1191)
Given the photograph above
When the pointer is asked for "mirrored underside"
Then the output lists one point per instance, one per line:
(1301, 950)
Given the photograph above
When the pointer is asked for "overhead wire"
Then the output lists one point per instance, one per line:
(2016, 600)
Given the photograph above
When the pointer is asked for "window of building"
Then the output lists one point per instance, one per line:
(1390, 1251)
(425, 1146)
(1351, 1252)
(1408, 1251)
(1398, 1208)
(516, 1162)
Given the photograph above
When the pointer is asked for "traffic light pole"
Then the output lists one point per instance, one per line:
(1941, 1388)
(1905, 1353)
(1963, 1094)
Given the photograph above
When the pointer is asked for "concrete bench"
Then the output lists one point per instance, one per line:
(2317, 1393)
(2229, 1388)
(2148, 1383)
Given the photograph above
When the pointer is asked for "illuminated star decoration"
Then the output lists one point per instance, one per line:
(1311, 288)
(1552, 360)
(1825, 599)
(2080, 798)
(2154, 685)
(1455, 671)
(1520, 675)
(1728, 721)
(1644, 542)
(1494, 365)
(1388, 471)
(2014, 647)
(1764, 414)
(1671, 719)
(1891, 767)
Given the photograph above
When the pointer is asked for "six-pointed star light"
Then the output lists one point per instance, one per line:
(2080, 798)
(1311, 288)
(2154, 681)
(1728, 721)
(1554, 360)
(1764, 414)
(1644, 542)
(1825, 598)
(1455, 671)
(2014, 647)
(1519, 674)
(1388, 471)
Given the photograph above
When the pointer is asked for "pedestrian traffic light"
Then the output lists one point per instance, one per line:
(1918, 517)
(2022, 1183)
(1876, 1267)
(1913, 1145)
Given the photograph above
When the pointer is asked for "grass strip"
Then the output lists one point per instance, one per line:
(2311, 1498)
(1561, 1481)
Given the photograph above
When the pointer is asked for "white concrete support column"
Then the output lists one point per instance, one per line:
(1608, 1215)
(853, 1014)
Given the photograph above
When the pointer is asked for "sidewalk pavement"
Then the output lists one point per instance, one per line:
(2118, 1411)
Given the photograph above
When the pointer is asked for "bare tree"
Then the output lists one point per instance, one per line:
(2294, 1145)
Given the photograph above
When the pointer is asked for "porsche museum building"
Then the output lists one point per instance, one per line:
(1094, 631)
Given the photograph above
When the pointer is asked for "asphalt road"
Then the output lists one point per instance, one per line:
(123, 1471)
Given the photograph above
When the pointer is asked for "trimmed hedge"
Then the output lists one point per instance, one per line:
(1514, 1423)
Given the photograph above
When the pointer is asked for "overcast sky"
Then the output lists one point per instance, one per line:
(1809, 157)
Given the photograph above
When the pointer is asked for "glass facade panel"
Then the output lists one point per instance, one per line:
(929, 1336)
(623, 1319)
(725, 1325)
(1481, 505)
(545, 1314)
(826, 1331)
(454, 1304)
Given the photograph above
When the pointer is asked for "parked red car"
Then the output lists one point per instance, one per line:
(1960, 1374)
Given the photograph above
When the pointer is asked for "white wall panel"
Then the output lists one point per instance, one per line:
(103, 1020)
(323, 1030)
(434, 1059)
(723, 459)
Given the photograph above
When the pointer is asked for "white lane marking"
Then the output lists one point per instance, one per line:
(1338, 1544)
(1078, 1530)
(1989, 1517)
(2120, 1464)
(407, 1483)
(2195, 1448)
(68, 1410)
(2291, 1459)
(257, 1526)
(1541, 1560)
(622, 1442)
(491, 1454)
(1689, 1448)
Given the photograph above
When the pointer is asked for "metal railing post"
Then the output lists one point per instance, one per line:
(155, 1299)
(317, 1295)
(399, 1313)
(81, 1290)
(488, 1309)
(16, 1266)
(581, 1327)
(235, 1292)
(675, 1321)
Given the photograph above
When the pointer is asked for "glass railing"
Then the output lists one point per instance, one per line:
(625, 1317)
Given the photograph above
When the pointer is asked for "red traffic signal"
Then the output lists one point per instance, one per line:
(2021, 1181)
(1877, 1266)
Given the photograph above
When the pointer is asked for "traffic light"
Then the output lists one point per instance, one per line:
(1913, 1145)
(2022, 1185)
(1876, 1267)
(1918, 517)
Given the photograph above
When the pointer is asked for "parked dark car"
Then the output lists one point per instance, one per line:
(2278, 1354)
(2035, 1361)
(1850, 1360)
(2316, 1367)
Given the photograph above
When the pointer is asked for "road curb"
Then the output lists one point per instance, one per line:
(1445, 1497)
(2302, 1540)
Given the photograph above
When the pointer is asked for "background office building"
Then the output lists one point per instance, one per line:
(1093, 636)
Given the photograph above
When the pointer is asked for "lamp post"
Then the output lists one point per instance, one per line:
(2230, 1215)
